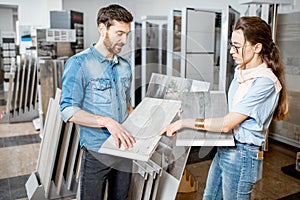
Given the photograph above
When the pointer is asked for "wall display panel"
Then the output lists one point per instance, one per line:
(200, 67)
(200, 37)
(132, 52)
(288, 40)
(153, 48)
(198, 42)
(204, 37)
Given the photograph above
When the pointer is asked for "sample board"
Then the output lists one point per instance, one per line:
(144, 123)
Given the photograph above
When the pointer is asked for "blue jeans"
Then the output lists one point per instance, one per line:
(97, 170)
(233, 172)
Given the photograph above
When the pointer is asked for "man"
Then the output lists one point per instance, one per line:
(96, 95)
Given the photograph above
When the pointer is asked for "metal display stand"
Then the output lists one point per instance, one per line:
(59, 158)
(22, 99)
(162, 179)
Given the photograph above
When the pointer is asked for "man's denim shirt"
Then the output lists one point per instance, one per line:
(92, 83)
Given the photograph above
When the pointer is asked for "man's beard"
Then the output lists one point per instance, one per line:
(109, 46)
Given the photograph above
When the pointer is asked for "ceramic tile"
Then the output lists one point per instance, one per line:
(18, 160)
(4, 189)
(19, 140)
(2, 107)
(16, 129)
(17, 186)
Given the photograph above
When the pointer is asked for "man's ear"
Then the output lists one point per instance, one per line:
(258, 48)
(102, 29)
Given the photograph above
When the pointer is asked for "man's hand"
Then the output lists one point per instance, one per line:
(119, 133)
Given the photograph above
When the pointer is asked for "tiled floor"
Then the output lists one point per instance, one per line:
(19, 147)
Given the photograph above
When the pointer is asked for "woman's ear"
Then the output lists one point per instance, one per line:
(257, 48)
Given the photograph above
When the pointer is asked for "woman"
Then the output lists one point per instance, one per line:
(256, 95)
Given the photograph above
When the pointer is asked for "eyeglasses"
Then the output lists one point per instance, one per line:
(236, 48)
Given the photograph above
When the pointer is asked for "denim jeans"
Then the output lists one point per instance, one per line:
(233, 172)
(97, 170)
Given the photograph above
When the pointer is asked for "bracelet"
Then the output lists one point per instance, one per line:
(199, 123)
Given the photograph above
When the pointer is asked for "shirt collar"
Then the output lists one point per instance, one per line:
(100, 56)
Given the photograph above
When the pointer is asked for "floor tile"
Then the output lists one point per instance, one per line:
(18, 160)
(19, 140)
(17, 129)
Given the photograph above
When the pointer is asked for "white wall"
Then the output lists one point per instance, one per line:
(34, 12)
(6, 19)
(90, 11)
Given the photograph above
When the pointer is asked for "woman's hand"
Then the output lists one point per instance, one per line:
(2, 115)
(172, 129)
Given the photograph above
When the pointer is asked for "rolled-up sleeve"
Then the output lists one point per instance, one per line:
(72, 89)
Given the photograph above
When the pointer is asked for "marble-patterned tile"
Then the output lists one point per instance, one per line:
(18, 160)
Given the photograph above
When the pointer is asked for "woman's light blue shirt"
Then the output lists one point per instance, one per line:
(259, 103)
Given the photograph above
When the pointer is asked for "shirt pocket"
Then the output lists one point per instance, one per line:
(101, 90)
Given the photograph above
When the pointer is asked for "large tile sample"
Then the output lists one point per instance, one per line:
(171, 87)
(50, 78)
(204, 105)
(144, 123)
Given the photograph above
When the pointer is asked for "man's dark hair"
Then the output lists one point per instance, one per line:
(106, 15)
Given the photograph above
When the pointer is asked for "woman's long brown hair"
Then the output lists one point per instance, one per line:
(256, 31)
